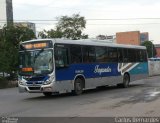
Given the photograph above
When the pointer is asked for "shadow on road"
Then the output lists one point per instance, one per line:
(97, 91)
(49, 97)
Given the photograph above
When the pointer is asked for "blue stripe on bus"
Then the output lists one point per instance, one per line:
(96, 70)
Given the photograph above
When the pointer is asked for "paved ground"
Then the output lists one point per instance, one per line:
(142, 98)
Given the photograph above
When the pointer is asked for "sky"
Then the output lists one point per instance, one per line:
(115, 15)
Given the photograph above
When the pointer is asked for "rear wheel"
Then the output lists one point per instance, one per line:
(78, 86)
(47, 94)
(126, 81)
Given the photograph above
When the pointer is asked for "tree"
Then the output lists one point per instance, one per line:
(55, 33)
(51, 33)
(67, 27)
(9, 43)
(43, 34)
(150, 48)
(84, 36)
(71, 27)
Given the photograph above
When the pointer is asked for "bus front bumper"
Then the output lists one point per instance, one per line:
(35, 89)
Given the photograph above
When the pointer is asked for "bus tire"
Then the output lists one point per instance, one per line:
(47, 94)
(78, 86)
(126, 80)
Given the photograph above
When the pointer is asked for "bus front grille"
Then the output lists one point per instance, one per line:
(34, 88)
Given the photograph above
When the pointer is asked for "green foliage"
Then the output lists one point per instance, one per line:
(43, 34)
(72, 27)
(84, 36)
(67, 27)
(9, 42)
(150, 48)
(50, 34)
(55, 33)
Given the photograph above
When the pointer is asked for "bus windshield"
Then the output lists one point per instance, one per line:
(36, 62)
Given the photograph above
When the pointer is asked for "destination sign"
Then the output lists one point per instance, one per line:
(36, 45)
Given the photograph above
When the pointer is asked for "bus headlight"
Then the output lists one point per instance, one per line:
(22, 82)
(49, 80)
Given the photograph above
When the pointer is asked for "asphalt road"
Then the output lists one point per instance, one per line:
(142, 98)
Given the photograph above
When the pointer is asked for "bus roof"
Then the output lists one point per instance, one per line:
(91, 42)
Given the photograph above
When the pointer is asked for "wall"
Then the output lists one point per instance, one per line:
(158, 51)
(131, 38)
(154, 68)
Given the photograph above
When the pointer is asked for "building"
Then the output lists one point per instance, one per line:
(29, 25)
(101, 37)
(111, 37)
(132, 37)
(105, 38)
(6, 13)
(144, 37)
(157, 46)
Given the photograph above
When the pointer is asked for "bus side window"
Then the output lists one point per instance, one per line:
(76, 54)
(88, 54)
(142, 56)
(61, 57)
(139, 56)
(120, 55)
(125, 55)
(145, 55)
(101, 54)
(112, 53)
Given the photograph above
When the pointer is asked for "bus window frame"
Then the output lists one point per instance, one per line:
(68, 55)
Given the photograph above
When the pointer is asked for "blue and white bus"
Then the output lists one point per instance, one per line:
(60, 66)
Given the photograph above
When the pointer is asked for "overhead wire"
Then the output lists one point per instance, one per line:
(89, 19)
(50, 21)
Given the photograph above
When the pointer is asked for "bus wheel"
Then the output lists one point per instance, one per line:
(126, 81)
(78, 86)
(47, 94)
